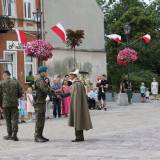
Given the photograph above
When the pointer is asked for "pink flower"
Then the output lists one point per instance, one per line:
(40, 49)
(126, 55)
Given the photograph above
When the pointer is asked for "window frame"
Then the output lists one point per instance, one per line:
(34, 66)
(28, 15)
(14, 62)
(13, 8)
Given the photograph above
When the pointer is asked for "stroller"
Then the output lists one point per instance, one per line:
(91, 103)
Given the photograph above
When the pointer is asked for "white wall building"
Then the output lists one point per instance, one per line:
(76, 14)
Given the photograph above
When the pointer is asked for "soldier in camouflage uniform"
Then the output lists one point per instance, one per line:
(42, 89)
(10, 91)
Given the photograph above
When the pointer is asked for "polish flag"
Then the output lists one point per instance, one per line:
(21, 36)
(60, 31)
(146, 38)
(115, 37)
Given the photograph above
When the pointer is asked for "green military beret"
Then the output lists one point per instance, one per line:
(42, 69)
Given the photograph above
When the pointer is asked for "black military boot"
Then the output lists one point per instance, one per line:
(45, 138)
(39, 140)
(78, 140)
(8, 137)
(14, 137)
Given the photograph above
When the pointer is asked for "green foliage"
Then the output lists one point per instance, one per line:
(74, 38)
(143, 19)
(142, 76)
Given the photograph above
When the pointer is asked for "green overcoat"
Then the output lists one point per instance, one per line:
(79, 116)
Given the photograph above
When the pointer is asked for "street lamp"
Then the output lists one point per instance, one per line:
(127, 30)
(38, 18)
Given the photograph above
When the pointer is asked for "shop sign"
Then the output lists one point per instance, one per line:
(14, 46)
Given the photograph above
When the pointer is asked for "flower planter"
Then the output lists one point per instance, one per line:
(109, 97)
(136, 98)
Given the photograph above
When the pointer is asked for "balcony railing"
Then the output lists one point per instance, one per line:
(6, 24)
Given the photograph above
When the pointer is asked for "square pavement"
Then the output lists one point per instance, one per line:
(120, 133)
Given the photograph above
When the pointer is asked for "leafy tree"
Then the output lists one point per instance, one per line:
(74, 39)
(143, 19)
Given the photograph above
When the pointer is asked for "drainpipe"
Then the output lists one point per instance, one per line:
(43, 20)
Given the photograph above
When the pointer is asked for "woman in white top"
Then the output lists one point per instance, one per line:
(154, 88)
(30, 108)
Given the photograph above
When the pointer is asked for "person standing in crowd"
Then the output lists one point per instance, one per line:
(67, 79)
(48, 106)
(22, 109)
(30, 108)
(10, 92)
(57, 87)
(147, 94)
(143, 92)
(92, 98)
(102, 85)
(65, 100)
(42, 90)
(126, 87)
(79, 113)
(154, 88)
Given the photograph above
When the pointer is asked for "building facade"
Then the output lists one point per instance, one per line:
(12, 56)
(76, 14)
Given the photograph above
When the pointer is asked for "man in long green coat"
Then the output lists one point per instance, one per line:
(79, 113)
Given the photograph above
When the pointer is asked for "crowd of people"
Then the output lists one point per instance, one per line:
(68, 97)
(47, 98)
(125, 96)
(59, 106)
(145, 93)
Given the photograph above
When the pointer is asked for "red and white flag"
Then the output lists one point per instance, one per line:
(115, 37)
(60, 31)
(146, 38)
(21, 36)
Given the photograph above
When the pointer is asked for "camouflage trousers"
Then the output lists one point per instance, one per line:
(11, 116)
(40, 110)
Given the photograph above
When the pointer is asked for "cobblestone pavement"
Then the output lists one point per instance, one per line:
(120, 133)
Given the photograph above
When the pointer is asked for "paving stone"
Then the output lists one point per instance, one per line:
(120, 133)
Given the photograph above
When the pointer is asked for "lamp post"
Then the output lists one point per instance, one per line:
(38, 18)
(127, 30)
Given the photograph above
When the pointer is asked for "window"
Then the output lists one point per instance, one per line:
(30, 69)
(28, 9)
(9, 7)
(11, 64)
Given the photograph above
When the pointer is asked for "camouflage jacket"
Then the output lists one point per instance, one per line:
(42, 90)
(10, 91)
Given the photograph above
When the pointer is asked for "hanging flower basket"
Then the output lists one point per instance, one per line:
(40, 49)
(126, 56)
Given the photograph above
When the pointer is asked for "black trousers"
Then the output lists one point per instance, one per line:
(57, 108)
(79, 134)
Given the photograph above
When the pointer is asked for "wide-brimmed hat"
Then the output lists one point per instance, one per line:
(76, 72)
